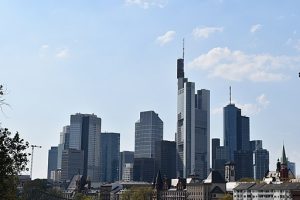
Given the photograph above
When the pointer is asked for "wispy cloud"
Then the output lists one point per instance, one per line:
(255, 28)
(248, 109)
(63, 53)
(238, 66)
(165, 38)
(206, 31)
(147, 3)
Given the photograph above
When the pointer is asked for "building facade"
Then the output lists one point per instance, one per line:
(52, 160)
(144, 169)
(72, 163)
(110, 157)
(193, 127)
(148, 130)
(126, 157)
(165, 158)
(85, 132)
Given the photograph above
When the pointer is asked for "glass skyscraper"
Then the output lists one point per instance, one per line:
(193, 127)
(110, 157)
(85, 130)
(148, 130)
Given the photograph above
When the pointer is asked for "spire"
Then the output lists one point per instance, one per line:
(183, 48)
(229, 94)
(283, 157)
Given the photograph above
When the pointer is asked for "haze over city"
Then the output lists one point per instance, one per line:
(118, 58)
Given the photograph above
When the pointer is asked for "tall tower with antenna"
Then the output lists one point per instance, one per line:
(192, 135)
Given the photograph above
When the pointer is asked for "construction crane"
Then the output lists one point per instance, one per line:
(32, 149)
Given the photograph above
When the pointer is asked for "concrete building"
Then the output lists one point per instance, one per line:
(256, 191)
(52, 161)
(72, 163)
(148, 130)
(165, 158)
(193, 127)
(110, 157)
(126, 157)
(85, 132)
(127, 172)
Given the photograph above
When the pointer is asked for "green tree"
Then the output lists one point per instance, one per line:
(227, 197)
(13, 158)
(137, 193)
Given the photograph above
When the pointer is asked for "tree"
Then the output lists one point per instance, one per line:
(227, 197)
(13, 159)
(137, 193)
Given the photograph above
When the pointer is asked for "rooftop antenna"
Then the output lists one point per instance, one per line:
(183, 48)
(230, 94)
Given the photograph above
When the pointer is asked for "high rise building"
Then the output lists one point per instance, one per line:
(63, 144)
(126, 157)
(215, 142)
(260, 159)
(292, 167)
(260, 163)
(165, 158)
(72, 163)
(110, 157)
(85, 132)
(127, 172)
(193, 127)
(236, 141)
(144, 169)
(52, 161)
(148, 130)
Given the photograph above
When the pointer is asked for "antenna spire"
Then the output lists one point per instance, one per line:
(230, 94)
(183, 48)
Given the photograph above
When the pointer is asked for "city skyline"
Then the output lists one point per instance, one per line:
(116, 59)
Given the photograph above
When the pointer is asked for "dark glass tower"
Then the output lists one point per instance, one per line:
(165, 158)
(52, 160)
(110, 157)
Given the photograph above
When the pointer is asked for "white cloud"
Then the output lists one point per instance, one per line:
(206, 31)
(147, 3)
(165, 38)
(63, 53)
(255, 28)
(45, 46)
(248, 109)
(237, 65)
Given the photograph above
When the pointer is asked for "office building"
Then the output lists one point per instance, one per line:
(215, 142)
(52, 161)
(219, 156)
(85, 132)
(72, 163)
(237, 141)
(193, 127)
(144, 169)
(260, 163)
(110, 157)
(255, 144)
(63, 144)
(148, 130)
(165, 158)
(292, 168)
(127, 172)
(126, 157)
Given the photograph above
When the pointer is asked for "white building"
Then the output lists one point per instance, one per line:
(127, 172)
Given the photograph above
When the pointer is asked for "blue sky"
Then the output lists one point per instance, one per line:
(117, 58)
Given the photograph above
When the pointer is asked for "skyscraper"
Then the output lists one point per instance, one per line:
(85, 132)
(72, 163)
(126, 157)
(193, 127)
(110, 156)
(52, 161)
(260, 159)
(63, 144)
(236, 140)
(165, 158)
(148, 130)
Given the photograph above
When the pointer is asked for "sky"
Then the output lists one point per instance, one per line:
(118, 58)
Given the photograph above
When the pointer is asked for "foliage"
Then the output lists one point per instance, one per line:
(248, 180)
(137, 193)
(40, 189)
(80, 196)
(13, 160)
(227, 197)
